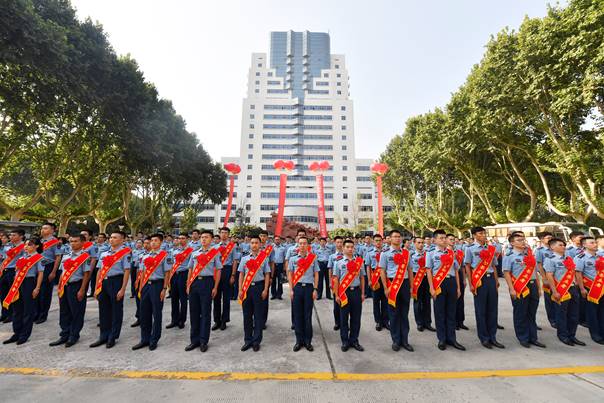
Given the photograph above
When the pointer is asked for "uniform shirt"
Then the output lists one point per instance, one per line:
(245, 248)
(207, 271)
(291, 251)
(93, 251)
(234, 255)
(513, 262)
(309, 275)
(387, 261)
(195, 244)
(332, 247)
(341, 269)
(278, 253)
(35, 269)
(573, 251)
(600, 252)
(414, 261)
(472, 256)
(371, 257)
(333, 258)
(585, 263)
(430, 248)
(359, 249)
(51, 253)
(136, 256)
(8, 247)
(184, 266)
(167, 246)
(65, 249)
(101, 248)
(164, 266)
(555, 265)
(120, 266)
(542, 253)
(322, 253)
(83, 268)
(433, 261)
(259, 276)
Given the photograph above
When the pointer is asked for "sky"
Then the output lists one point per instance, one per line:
(404, 57)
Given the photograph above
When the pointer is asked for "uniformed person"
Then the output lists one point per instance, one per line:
(586, 267)
(11, 252)
(422, 305)
(72, 304)
(253, 298)
(485, 293)
(542, 253)
(113, 284)
(399, 314)
(90, 247)
(137, 252)
(195, 241)
(102, 246)
(460, 253)
(567, 311)
(201, 292)
(137, 268)
(222, 301)
(333, 258)
(445, 302)
(24, 308)
(278, 258)
(179, 302)
(303, 293)
(323, 251)
(350, 314)
(573, 250)
(524, 306)
(51, 261)
(264, 243)
(380, 301)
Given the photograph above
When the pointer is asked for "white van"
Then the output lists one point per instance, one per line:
(500, 232)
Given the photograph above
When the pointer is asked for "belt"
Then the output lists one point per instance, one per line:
(488, 274)
(532, 281)
(353, 288)
(204, 277)
(256, 283)
(157, 280)
(74, 282)
(110, 277)
(304, 285)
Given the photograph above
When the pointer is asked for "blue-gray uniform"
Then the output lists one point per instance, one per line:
(200, 297)
(380, 302)
(573, 250)
(445, 304)
(222, 300)
(421, 304)
(524, 308)
(136, 255)
(302, 302)
(100, 249)
(333, 258)
(7, 277)
(151, 304)
(253, 306)
(541, 254)
(71, 308)
(111, 311)
(585, 263)
(245, 248)
(332, 247)
(567, 312)
(195, 244)
(178, 288)
(485, 297)
(323, 253)
(45, 298)
(278, 258)
(399, 314)
(24, 307)
(350, 314)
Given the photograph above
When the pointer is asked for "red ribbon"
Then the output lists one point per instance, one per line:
(379, 169)
(233, 169)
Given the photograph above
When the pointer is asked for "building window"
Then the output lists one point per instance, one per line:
(339, 84)
(325, 75)
(249, 166)
(345, 195)
(251, 125)
(345, 220)
(257, 82)
(205, 219)
(338, 75)
(250, 146)
(250, 156)
(231, 219)
(387, 209)
(259, 64)
(256, 90)
(343, 117)
(339, 92)
(257, 74)
(248, 194)
(251, 135)
(252, 106)
(337, 66)
(345, 208)
(273, 82)
(252, 116)
(365, 196)
(322, 83)
(344, 148)
(344, 178)
(344, 158)
(363, 178)
(363, 168)
(265, 219)
(249, 177)
(345, 168)
(343, 137)
(366, 208)
(343, 127)
(270, 74)
(342, 108)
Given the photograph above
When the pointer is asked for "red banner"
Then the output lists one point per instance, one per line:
(282, 192)
(151, 264)
(253, 265)
(567, 279)
(375, 274)
(486, 256)
(230, 202)
(50, 243)
(321, 206)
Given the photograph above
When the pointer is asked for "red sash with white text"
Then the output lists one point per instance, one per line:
(446, 262)
(303, 265)
(23, 265)
(596, 286)
(567, 279)
(375, 273)
(108, 262)
(401, 260)
(179, 259)
(69, 267)
(225, 251)
(253, 265)
(419, 276)
(203, 260)
(10, 256)
(520, 283)
(151, 264)
(50, 243)
(353, 268)
(486, 256)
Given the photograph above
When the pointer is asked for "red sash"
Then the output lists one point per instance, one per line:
(151, 264)
(375, 273)
(50, 243)
(23, 265)
(459, 257)
(303, 265)
(566, 281)
(225, 251)
(402, 261)
(203, 260)
(353, 268)
(108, 262)
(446, 261)
(596, 286)
(179, 259)
(87, 245)
(520, 283)
(253, 265)
(69, 267)
(486, 256)
(10, 256)
(419, 276)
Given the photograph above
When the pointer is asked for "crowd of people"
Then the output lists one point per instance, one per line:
(202, 273)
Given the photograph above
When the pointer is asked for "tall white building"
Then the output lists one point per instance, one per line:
(298, 108)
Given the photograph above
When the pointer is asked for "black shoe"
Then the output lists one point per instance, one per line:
(264, 327)
(192, 346)
(344, 347)
(358, 347)
(181, 325)
(442, 345)
(486, 344)
(273, 298)
(336, 327)
(539, 328)
(139, 346)
(216, 326)
(329, 298)
(538, 344)
(246, 347)
(110, 343)
(70, 343)
(19, 342)
(256, 347)
(7, 320)
(171, 325)
(553, 325)
(98, 325)
(525, 344)
(500, 327)
(577, 342)
(395, 347)
(584, 324)
(497, 344)
(297, 347)
(98, 343)
(203, 348)
(464, 327)
(57, 342)
(152, 347)
(40, 321)
(12, 339)
(387, 326)
(420, 328)
(407, 347)
(280, 297)
(568, 342)
(378, 327)
(136, 324)
(223, 326)
(430, 328)
(458, 346)
(319, 298)
(309, 347)
(599, 341)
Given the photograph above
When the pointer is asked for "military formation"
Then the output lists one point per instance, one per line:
(203, 273)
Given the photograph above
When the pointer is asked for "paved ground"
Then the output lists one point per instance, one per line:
(276, 373)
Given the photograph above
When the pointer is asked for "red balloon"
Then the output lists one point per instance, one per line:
(314, 166)
(379, 168)
(232, 168)
(279, 164)
(324, 165)
(289, 165)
